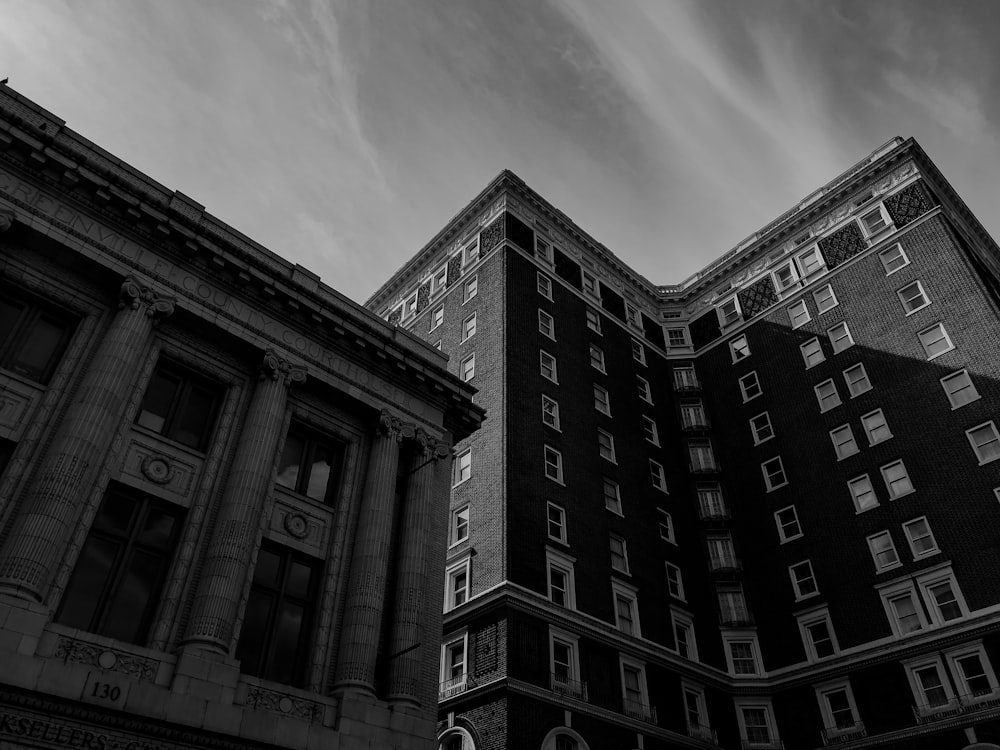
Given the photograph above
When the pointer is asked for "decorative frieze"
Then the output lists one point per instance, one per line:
(757, 297)
(108, 659)
(259, 698)
(160, 468)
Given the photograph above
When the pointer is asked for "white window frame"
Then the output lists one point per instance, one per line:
(543, 249)
(961, 376)
(812, 352)
(685, 339)
(470, 253)
(797, 583)
(675, 581)
(550, 413)
(836, 340)
(851, 384)
(562, 563)
(589, 284)
(645, 392)
(650, 431)
(638, 352)
(608, 448)
(597, 358)
(805, 271)
(471, 288)
(612, 494)
(912, 538)
(761, 428)
(886, 220)
(768, 484)
(742, 637)
(439, 280)
(977, 448)
(455, 684)
(890, 255)
(782, 527)
(871, 424)
(749, 382)
(822, 693)
(437, 317)
(544, 286)
(701, 730)
(409, 306)
(618, 548)
(953, 656)
(860, 487)
(925, 335)
(934, 577)
(602, 400)
(562, 534)
(468, 367)
(825, 403)
(666, 525)
(461, 519)
(632, 315)
(658, 475)
(912, 666)
(876, 546)
(883, 469)
(686, 621)
(572, 644)
(639, 668)
(469, 327)
(544, 358)
(898, 590)
(546, 324)
(451, 587)
(593, 321)
(844, 444)
(553, 464)
(798, 314)
(789, 269)
(816, 616)
(729, 312)
(623, 591)
(462, 468)
(921, 295)
(771, 727)
(822, 301)
(739, 348)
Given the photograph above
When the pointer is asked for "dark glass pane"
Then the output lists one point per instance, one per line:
(266, 572)
(39, 348)
(159, 397)
(10, 313)
(115, 514)
(291, 460)
(298, 579)
(138, 590)
(191, 425)
(253, 636)
(320, 471)
(93, 569)
(158, 529)
(285, 643)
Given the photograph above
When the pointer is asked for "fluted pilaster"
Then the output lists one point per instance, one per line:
(360, 633)
(234, 537)
(72, 463)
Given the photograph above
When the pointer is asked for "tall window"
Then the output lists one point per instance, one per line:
(803, 580)
(559, 575)
(883, 551)
(597, 358)
(644, 392)
(460, 525)
(602, 401)
(649, 430)
(788, 524)
(701, 456)
(658, 475)
(462, 468)
(469, 327)
(471, 289)
(556, 522)
(619, 553)
(710, 502)
(612, 496)
(750, 386)
(606, 446)
(469, 367)
(626, 609)
(274, 641)
(119, 575)
(593, 320)
(32, 339)
(179, 405)
(774, 474)
(546, 325)
(550, 412)
(553, 464)
(756, 722)
(457, 580)
(453, 668)
(547, 366)
(675, 583)
(760, 427)
(311, 464)
(638, 352)
(544, 285)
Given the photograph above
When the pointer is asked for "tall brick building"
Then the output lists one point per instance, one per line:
(223, 485)
(756, 509)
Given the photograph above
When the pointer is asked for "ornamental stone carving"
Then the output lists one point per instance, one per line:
(282, 703)
(296, 525)
(6, 220)
(71, 649)
(136, 296)
(393, 427)
(277, 368)
(157, 469)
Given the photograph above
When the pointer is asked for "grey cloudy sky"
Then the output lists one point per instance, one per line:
(342, 134)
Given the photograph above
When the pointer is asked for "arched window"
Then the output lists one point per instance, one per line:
(456, 738)
(563, 738)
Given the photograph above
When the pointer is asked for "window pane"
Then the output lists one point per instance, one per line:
(268, 567)
(299, 578)
(192, 422)
(158, 530)
(253, 636)
(323, 466)
(160, 395)
(10, 313)
(291, 460)
(115, 514)
(285, 643)
(129, 609)
(92, 573)
(39, 348)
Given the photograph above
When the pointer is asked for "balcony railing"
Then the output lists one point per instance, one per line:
(703, 733)
(736, 618)
(835, 735)
(703, 465)
(980, 700)
(693, 422)
(762, 744)
(713, 512)
(686, 380)
(640, 711)
(725, 564)
(453, 687)
(567, 687)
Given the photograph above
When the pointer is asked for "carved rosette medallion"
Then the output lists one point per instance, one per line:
(157, 469)
(274, 367)
(82, 652)
(136, 296)
(296, 525)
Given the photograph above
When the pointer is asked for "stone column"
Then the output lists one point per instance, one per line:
(70, 466)
(234, 538)
(405, 649)
(359, 636)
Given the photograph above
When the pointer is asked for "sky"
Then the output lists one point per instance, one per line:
(343, 134)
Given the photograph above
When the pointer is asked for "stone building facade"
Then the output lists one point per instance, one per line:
(755, 509)
(223, 485)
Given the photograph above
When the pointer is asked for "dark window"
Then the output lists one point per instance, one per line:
(179, 405)
(6, 451)
(116, 584)
(32, 339)
(275, 635)
(310, 465)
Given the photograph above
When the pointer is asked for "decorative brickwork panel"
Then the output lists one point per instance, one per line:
(454, 268)
(908, 204)
(423, 296)
(842, 245)
(612, 302)
(485, 654)
(705, 330)
(652, 330)
(520, 233)
(395, 316)
(568, 269)
(757, 297)
(490, 237)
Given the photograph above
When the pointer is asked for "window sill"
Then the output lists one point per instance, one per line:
(777, 487)
(942, 353)
(917, 309)
(888, 568)
(902, 494)
(557, 481)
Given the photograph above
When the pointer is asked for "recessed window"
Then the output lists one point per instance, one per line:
(840, 715)
(825, 299)
(453, 680)
(612, 496)
(659, 477)
(883, 551)
(437, 317)
(626, 608)
(696, 714)
(857, 380)
(675, 583)
(788, 524)
(721, 552)
(701, 456)
(893, 259)
(677, 337)
(638, 352)
(544, 285)
(905, 613)
(546, 326)
(693, 415)
(469, 367)
(556, 522)
(798, 314)
(843, 441)
(985, 442)
(410, 306)
(684, 640)
(711, 504)
(912, 297)
(862, 493)
(589, 284)
(739, 347)
(812, 352)
(180, 406)
(643, 387)
(840, 337)
(553, 464)
(685, 379)
(460, 525)
(959, 389)
(827, 395)
(602, 401)
(733, 605)
(817, 634)
(122, 567)
(774, 474)
(560, 579)
(470, 254)
(920, 538)
(750, 386)
(729, 312)
(462, 468)
(547, 366)
(597, 358)
(785, 276)
(741, 653)
(649, 431)
(897, 481)
(32, 338)
(803, 580)
(469, 327)
(634, 698)
(757, 727)
(666, 523)
(565, 670)
(935, 341)
(543, 249)
(631, 315)
(810, 261)
(593, 321)
(310, 464)
(760, 428)
(606, 446)
(875, 220)
(550, 412)
(876, 427)
(470, 289)
(619, 553)
(942, 596)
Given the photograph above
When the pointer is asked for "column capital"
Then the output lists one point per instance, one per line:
(277, 368)
(432, 448)
(137, 296)
(392, 427)
(6, 220)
